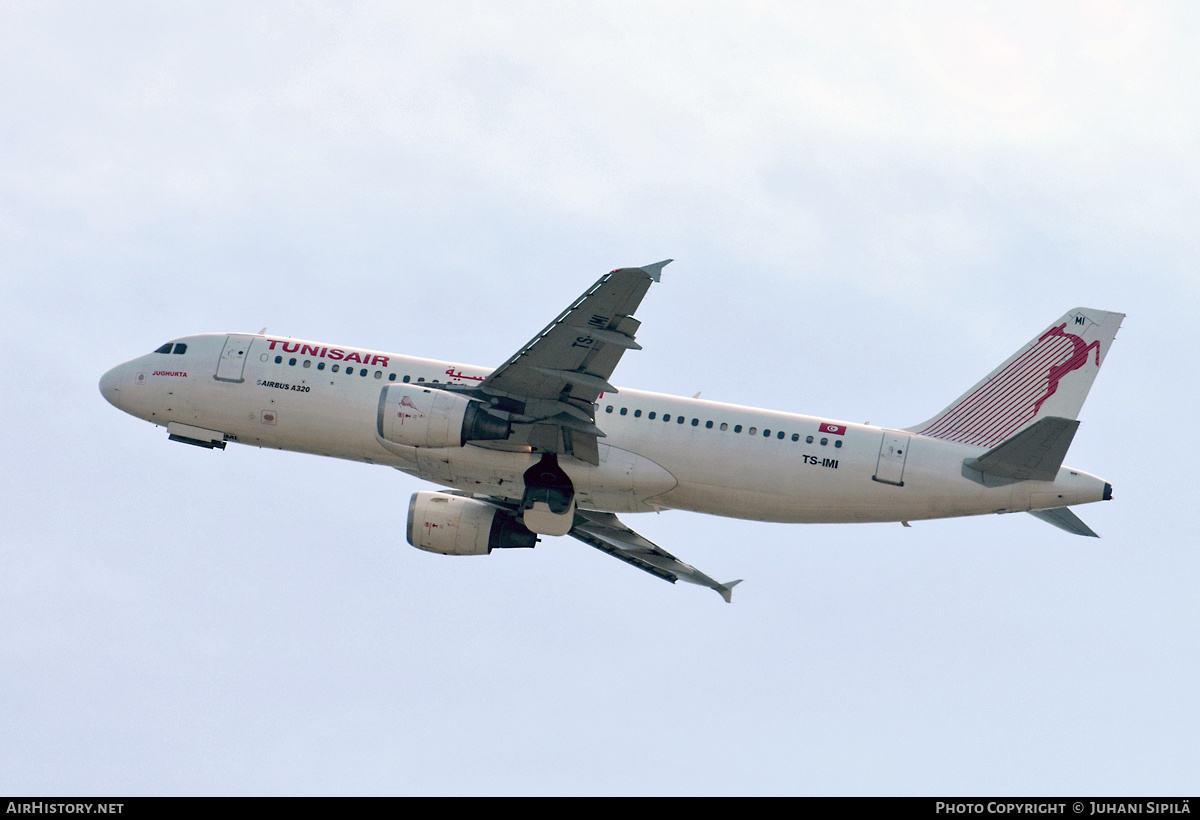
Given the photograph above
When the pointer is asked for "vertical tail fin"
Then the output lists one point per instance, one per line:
(1049, 376)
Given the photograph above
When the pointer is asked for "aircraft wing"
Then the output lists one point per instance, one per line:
(551, 383)
(605, 532)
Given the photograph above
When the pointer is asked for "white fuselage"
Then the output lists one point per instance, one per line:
(659, 451)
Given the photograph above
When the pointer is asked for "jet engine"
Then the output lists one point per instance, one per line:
(455, 525)
(419, 416)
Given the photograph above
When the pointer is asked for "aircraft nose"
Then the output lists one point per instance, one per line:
(110, 387)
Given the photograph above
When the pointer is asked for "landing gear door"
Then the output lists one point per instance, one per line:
(233, 358)
(893, 452)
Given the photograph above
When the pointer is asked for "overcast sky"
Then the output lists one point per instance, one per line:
(870, 205)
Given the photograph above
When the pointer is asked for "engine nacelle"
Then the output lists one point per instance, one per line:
(418, 416)
(454, 525)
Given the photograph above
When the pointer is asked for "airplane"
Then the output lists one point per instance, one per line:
(545, 445)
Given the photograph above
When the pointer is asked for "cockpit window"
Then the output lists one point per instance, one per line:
(180, 348)
(164, 349)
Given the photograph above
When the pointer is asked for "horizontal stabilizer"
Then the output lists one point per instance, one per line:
(1064, 519)
(1034, 454)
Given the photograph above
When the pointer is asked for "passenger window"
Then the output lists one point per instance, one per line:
(637, 414)
(308, 362)
(379, 374)
(724, 426)
(808, 440)
(837, 443)
(780, 436)
(180, 348)
(650, 415)
(737, 428)
(824, 441)
(278, 360)
(624, 410)
(680, 419)
(406, 378)
(752, 430)
(420, 378)
(291, 362)
(666, 416)
(164, 349)
(696, 422)
(334, 368)
(766, 433)
(608, 409)
(795, 436)
(320, 365)
(391, 377)
(708, 424)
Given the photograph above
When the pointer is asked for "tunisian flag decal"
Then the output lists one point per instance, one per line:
(835, 429)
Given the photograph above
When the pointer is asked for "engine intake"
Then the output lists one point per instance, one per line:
(419, 416)
(454, 525)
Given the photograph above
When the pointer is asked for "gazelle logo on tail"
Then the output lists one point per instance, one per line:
(1031, 383)
(1078, 359)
